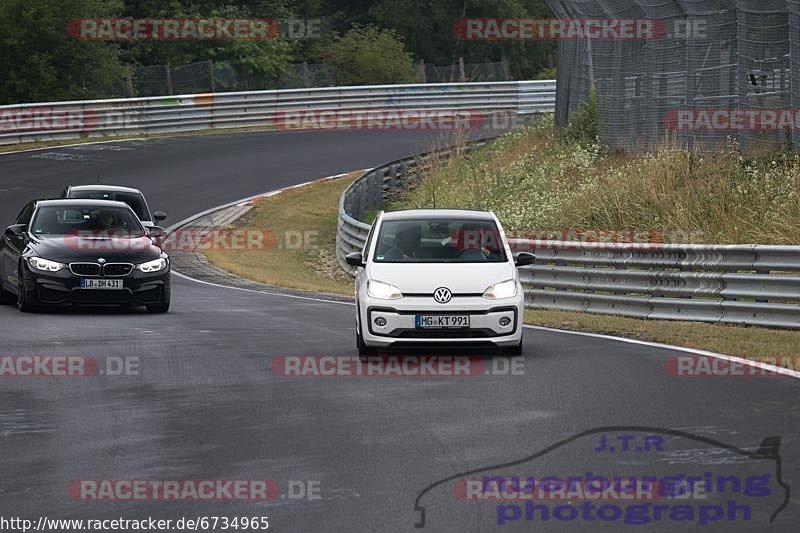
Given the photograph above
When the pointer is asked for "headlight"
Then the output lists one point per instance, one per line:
(499, 291)
(383, 291)
(153, 266)
(45, 264)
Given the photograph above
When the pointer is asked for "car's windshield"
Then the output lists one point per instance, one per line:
(439, 240)
(136, 201)
(71, 220)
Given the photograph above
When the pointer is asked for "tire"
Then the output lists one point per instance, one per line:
(513, 350)
(26, 303)
(158, 308)
(6, 297)
(163, 306)
(363, 349)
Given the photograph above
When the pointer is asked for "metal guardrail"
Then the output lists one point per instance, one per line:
(370, 192)
(98, 118)
(733, 284)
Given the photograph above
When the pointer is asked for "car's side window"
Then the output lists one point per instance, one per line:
(24, 216)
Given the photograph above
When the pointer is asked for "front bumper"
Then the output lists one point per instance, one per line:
(400, 321)
(63, 288)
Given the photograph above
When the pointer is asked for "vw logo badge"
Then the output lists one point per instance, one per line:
(101, 260)
(442, 295)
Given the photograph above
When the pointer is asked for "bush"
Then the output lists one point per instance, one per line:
(367, 55)
(546, 74)
(583, 122)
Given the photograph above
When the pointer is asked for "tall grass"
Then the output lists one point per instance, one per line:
(536, 180)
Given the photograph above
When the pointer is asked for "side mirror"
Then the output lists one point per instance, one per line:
(355, 259)
(16, 231)
(158, 216)
(524, 259)
(157, 232)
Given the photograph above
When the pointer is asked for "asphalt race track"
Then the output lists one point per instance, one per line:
(206, 405)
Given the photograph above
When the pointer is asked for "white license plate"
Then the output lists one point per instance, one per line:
(101, 283)
(442, 321)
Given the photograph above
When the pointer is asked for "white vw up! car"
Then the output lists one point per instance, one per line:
(438, 277)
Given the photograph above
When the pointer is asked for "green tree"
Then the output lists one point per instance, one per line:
(262, 61)
(40, 61)
(427, 27)
(369, 55)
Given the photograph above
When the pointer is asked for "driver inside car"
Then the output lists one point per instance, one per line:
(406, 244)
(107, 219)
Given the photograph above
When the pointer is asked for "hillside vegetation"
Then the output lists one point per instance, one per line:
(537, 180)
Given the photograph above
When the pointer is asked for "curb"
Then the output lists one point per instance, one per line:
(194, 265)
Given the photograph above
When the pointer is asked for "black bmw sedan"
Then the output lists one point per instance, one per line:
(90, 252)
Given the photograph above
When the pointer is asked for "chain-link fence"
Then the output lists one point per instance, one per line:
(711, 71)
(462, 72)
(225, 76)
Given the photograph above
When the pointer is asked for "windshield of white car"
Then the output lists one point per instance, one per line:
(95, 221)
(439, 240)
(136, 201)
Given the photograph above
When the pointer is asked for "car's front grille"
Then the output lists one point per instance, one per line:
(85, 269)
(112, 270)
(442, 334)
(117, 269)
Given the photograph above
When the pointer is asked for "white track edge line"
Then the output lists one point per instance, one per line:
(749, 362)
(731, 358)
(57, 146)
(265, 293)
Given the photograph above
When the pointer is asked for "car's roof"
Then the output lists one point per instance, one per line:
(411, 214)
(109, 188)
(79, 202)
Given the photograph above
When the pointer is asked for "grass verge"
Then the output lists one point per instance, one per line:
(314, 208)
(538, 182)
(747, 342)
(301, 223)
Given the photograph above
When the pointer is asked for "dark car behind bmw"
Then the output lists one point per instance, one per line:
(90, 252)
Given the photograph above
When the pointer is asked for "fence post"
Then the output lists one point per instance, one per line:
(169, 79)
(129, 85)
(211, 75)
